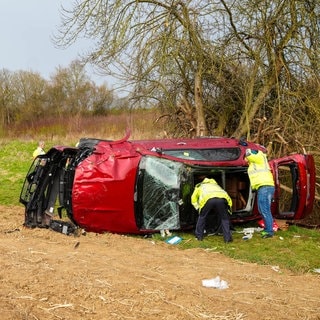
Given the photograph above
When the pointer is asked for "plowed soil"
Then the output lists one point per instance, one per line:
(47, 275)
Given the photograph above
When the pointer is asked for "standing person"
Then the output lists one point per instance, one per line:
(208, 197)
(39, 150)
(261, 180)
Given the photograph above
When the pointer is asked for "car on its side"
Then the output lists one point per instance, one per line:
(145, 186)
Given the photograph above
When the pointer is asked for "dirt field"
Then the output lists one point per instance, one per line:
(47, 275)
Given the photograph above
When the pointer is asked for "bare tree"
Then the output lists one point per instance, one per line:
(6, 98)
(27, 98)
(217, 67)
(277, 41)
(156, 46)
(72, 92)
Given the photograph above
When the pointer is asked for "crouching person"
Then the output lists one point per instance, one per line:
(209, 197)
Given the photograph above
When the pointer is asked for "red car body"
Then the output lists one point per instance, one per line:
(145, 186)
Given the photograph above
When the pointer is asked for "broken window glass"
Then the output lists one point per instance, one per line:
(216, 154)
(160, 193)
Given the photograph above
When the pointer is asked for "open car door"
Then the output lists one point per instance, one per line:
(294, 186)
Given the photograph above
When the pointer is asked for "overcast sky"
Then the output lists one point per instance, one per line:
(26, 28)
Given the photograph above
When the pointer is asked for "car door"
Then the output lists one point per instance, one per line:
(294, 186)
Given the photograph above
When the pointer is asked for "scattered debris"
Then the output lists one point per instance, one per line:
(165, 233)
(275, 268)
(14, 230)
(275, 225)
(248, 232)
(247, 236)
(216, 283)
(174, 240)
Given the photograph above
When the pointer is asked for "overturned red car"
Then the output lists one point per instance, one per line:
(145, 186)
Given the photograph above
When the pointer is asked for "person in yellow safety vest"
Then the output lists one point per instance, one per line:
(208, 197)
(261, 180)
(39, 150)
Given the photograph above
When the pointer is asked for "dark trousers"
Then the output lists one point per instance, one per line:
(219, 207)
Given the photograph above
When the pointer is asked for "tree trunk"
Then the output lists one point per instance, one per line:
(202, 129)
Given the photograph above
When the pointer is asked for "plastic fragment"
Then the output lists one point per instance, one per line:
(216, 283)
(174, 240)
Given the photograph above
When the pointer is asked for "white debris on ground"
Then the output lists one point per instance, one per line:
(216, 283)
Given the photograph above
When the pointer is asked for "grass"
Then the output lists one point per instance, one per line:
(16, 154)
(15, 160)
(296, 249)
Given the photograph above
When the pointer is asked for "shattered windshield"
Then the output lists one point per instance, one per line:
(217, 154)
(160, 193)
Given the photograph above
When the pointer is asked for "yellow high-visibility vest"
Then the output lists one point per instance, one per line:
(206, 190)
(259, 170)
